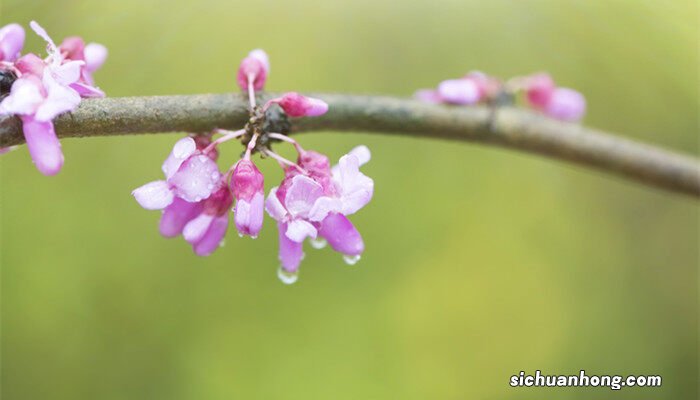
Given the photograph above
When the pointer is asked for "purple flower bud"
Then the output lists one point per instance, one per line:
(539, 89)
(247, 185)
(566, 104)
(255, 69)
(459, 91)
(296, 105)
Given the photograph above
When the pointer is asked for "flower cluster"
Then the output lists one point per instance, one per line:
(38, 90)
(313, 201)
(540, 93)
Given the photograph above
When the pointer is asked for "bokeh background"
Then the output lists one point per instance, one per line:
(480, 262)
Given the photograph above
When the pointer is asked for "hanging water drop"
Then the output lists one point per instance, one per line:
(351, 260)
(318, 243)
(287, 277)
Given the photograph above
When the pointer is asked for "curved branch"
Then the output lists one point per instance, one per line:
(507, 127)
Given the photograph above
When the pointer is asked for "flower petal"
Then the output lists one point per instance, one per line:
(87, 91)
(298, 230)
(43, 145)
(197, 227)
(213, 237)
(274, 207)
(183, 148)
(11, 42)
(177, 215)
(341, 234)
(154, 195)
(356, 189)
(459, 91)
(95, 56)
(196, 178)
(323, 206)
(25, 97)
(59, 99)
(302, 195)
(290, 253)
(249, 215)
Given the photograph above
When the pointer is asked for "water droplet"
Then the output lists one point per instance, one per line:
(351, 260)
(318, 243)
(240, 235)
(222, 243)
(287, 277)
(214, 175)
(254, 237)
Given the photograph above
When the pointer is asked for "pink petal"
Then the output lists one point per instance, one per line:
(323, 206)
(25, 97)
(341, 235)
(43, 145)
(195, 230)
(540, 88)
(87, 91)
(182, 150)
(274, 207)
(213, 237)
(290, 253)
(196, 178)
(154, 195)
(315, 107)
(60, 99)
(53, 50)
(95, 56)
(356, 189)
(73, 47)
(302, 195)
(298, 230)
(459, 91)
(177, 215)
(11, 42)
(247, 180)
(67, 73)
(251, 68)
(566, 104)
(31, 64)
(249, 215)
(363, 156)
(260, 55)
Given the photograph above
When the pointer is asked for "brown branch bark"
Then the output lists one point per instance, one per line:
(507, 127)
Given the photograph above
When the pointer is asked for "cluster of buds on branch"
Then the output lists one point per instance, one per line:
(540, 93)
(38, 90)
(312, 201)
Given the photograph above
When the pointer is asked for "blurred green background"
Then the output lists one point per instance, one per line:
(480, 262)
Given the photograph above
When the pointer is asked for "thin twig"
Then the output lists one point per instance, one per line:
(507, 127)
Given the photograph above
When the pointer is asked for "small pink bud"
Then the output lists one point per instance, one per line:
(566, 104)
(539, 89)
(73, 48)
(247, 185)
(296, 105)
(459, 91)
(255, 68)
(11, 42)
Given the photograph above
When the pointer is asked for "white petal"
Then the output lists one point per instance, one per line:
(356, 189)
(274, 207)
(195, 229)
(302, 195)
(298, 230)
(154, 195)
(323, 206)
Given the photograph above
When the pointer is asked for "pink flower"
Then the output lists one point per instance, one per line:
(557, 102)
(316, 204)
(296, 105)
(11, 42)
(37, 102)
(566, 104)
(459, 91)
(45, 90)
(93, 56)
(253, 70)
(190, 175)
(206, 231)
(539, 89)
(247, 185)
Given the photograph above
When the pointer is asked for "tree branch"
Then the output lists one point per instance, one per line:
(507, 127)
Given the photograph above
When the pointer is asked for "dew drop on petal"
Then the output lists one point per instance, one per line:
(287, 277)
(222, 243)
(254, 237)
(351, 260)
(318, 243)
